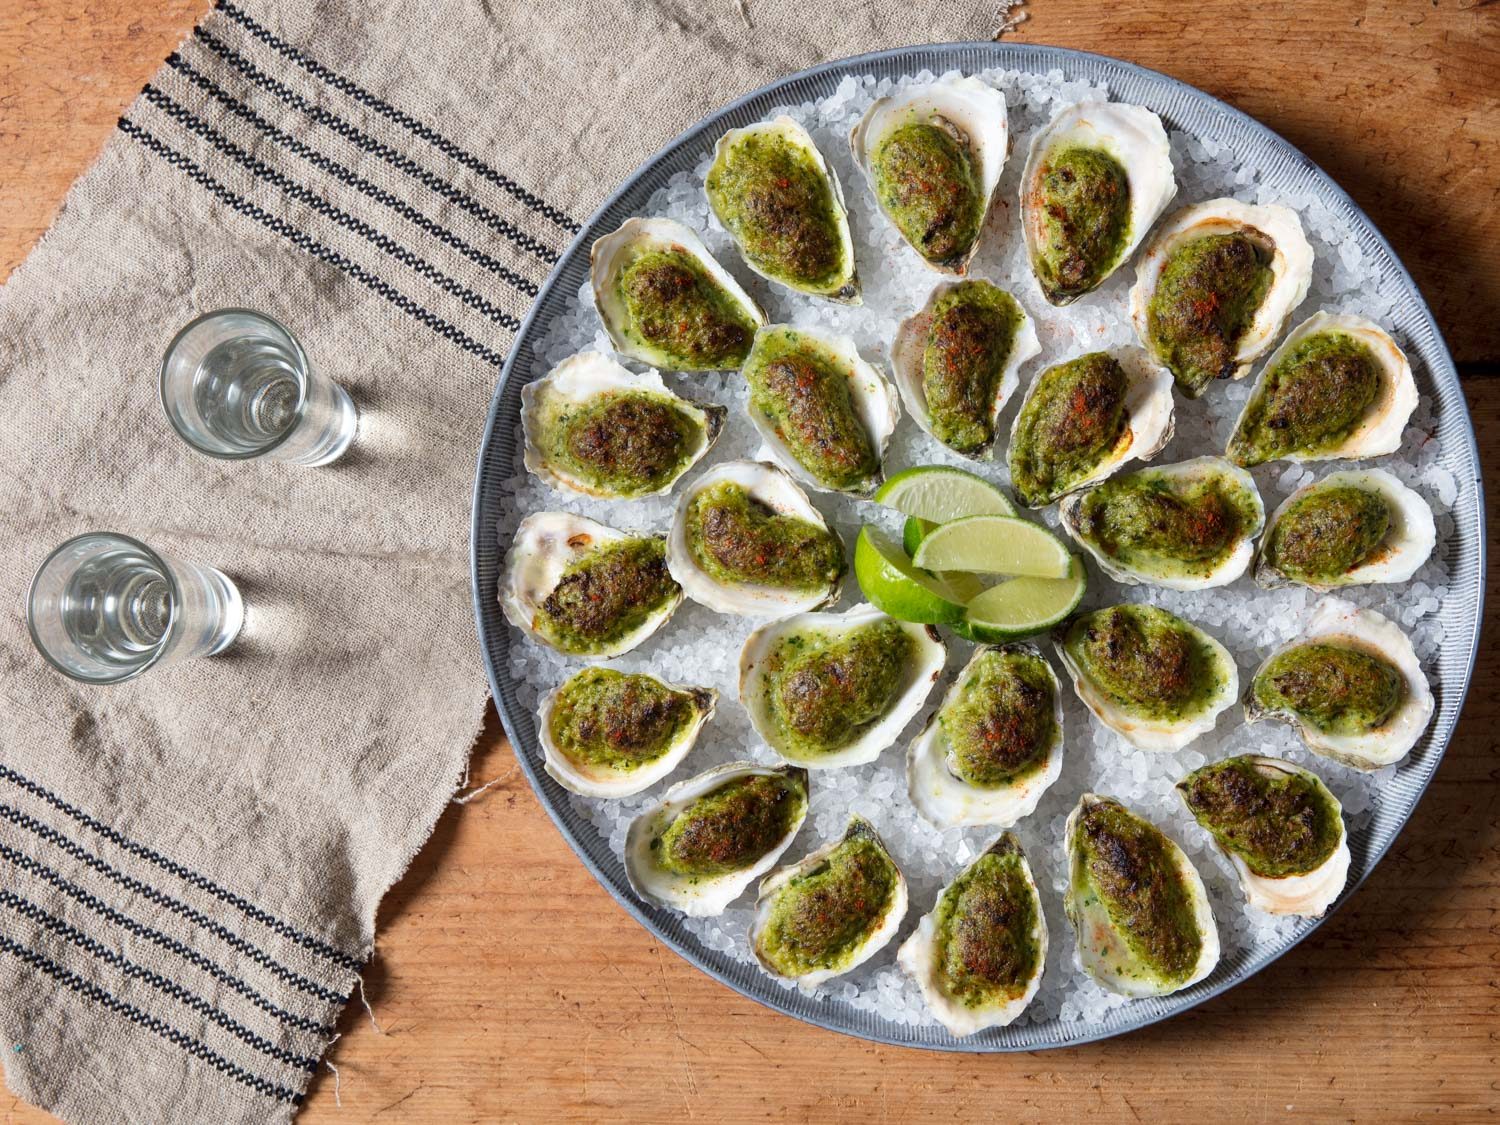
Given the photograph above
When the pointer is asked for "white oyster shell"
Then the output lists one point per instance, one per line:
(581, 379)
(772, 487)
(972, 110)
(698, 896)
(922, 671)
(1336, 621)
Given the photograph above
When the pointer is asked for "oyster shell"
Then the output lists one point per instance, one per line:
(825, 415)
(1280, 827)
(1383, 548)
(589, 408)
(1187, 526)
(554, 551)
(653, 276)
(1138, 907)
(851, 884)
(881, 683)
(1143, 425)
(773, 501)
(713, 835)
(1358, 408)
(1257, 270)
(1397, 674)
(970, 989)
(782, 204)
(964, 317)
(569, 715)
(1107, 145)
(949, 790)
(956, 125)
(1171, 680)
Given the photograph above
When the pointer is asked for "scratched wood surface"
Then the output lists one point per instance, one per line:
(508, 985)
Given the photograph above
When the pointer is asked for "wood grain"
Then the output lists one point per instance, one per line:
(508, 984)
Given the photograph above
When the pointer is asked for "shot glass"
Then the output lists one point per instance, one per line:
(103, 608)
(237, 385)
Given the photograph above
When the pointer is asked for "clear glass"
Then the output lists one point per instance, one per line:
(236, 384)
(104, 607)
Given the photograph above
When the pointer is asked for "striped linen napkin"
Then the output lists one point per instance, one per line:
(190, 864)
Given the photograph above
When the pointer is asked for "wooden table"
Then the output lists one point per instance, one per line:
(509, 985)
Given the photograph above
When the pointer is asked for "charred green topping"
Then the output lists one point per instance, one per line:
(1002, 723)
(1074, 417)
(1146, 517)
(1131, 868)
(986, 930)
(618, 721)
(1144, 658)
(927, 184)
(1335, 688)
(827, 691)
(1312, 400)
(677, 307)
(969, 340)
(606, 594)
(1205, 300)
(733, 537)
(821, 918)
(1083, 206)
(1279, 823)
(627, 444)
(734, 825)
(1327, 532)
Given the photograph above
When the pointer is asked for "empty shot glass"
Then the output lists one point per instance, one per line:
(236, 384)
(103, 608)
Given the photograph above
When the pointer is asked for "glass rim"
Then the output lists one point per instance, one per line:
(173, 602)
(302, 386)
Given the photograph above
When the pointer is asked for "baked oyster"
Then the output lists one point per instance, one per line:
(606, 733)
(1136, 902)
(1215, 287)
(978, 956)
(956, 362)
(933, 155)
(1187, 526)
(665, 300)
(1156, 680)
(1280, 827)
(831, 912)
(994, 744)
(1351, 684)
(1096, 178)
(713, 835)
(584, 588)
(1081, 420)
(1337, 387)
(593, 427)
(825, 414)
(778, 199)
(1348, 529)
(746, 540)
(835, 689)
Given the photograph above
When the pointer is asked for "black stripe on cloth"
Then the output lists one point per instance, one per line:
(405, 120)
(346, 175)
(339, 217)
(129, 968)
(366, 143)
(304, 241)
(156, 937)
(165, 901)
(202, 882)
(192, 1046)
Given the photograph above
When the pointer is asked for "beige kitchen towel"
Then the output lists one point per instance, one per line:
(190, 864)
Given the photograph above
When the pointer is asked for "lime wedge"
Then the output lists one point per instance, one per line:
(937, 494)
(963, 585)
(994, 545)
(1020, 607)
(913, 532)
(892, 585)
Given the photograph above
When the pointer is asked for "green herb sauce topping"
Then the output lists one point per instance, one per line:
(616, 720)
(675, 306)
(629, 443)
(1336, 688)
(606, 594)
(927, 184)
(1279, 824)
(970, 338)
(735, 538)
(1083, 203)
(732, 826)
(826, 691)
(1073, 418)
(1170, 526)
(1144, 658)
(986, 921)
(1002, 722)
(1327, 532)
